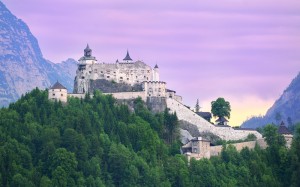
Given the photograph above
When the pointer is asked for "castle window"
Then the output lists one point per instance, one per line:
(121, 77)
(53, 94)
(108, 77)
(195, 150)
(82, 77)
(128, 79)
(90, 71)
(62, 94)
(101, 71)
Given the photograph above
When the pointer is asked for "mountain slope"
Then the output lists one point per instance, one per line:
(287, 106)
(22, 66)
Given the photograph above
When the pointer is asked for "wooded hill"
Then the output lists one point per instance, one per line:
(96, 142)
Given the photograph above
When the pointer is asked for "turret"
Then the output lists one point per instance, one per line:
(58, 92)
(87, 57)
(156, 73)
(127, 58)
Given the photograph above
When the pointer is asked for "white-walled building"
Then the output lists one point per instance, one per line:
(58, 92)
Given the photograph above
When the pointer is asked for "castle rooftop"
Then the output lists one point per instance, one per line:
(283, 129)
(127, 58)
(57, 85)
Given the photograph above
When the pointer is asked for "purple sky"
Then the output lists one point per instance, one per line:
(244, 51)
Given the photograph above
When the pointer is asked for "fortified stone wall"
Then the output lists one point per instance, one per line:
(80, 96)
(216, 150)
(130, 73)
(128, 95)
(224, 132)
(156, 104)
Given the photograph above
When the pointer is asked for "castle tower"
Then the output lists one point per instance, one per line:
(84, 71)
(87, 57)
(127, 58)
(58, 93)
(156, 73)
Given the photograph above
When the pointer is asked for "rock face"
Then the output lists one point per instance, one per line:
(287, 106)
(22, 66)
(107, 86)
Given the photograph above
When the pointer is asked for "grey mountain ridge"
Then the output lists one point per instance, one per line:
(287, 106)
(22, 65)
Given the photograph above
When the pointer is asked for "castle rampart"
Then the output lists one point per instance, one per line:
(224, 132)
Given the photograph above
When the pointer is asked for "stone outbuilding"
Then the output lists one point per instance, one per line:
(197, 148)
(58, 93)
(288, 136)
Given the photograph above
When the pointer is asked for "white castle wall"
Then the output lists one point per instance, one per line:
(130, 73)
(208, 151)
(155, 88)
(58, 95)
(80, 96)
(119, 95)
(225, 133)
(128, 95)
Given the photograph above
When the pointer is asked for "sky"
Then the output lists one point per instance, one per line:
(244, 51)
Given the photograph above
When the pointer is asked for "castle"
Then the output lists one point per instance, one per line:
(130, 79)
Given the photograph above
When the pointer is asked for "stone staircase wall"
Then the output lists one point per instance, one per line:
(224, 132)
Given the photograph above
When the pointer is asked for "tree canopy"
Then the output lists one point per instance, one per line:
(220, 108)
(96, 142)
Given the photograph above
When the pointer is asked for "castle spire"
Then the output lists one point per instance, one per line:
(87, 51)
(127, 58)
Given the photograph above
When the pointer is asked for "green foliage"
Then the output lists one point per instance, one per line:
(250, 137)
(95, 142)
(220, 108)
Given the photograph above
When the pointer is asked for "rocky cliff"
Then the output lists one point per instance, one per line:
(286, 108)
(22, 66)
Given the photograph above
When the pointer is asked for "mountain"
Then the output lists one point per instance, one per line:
(286, 108)
(22, 65)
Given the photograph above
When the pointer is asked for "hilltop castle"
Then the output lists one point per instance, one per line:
(125, 79)
(128, 79)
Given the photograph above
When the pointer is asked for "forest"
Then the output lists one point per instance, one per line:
(97, 142)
